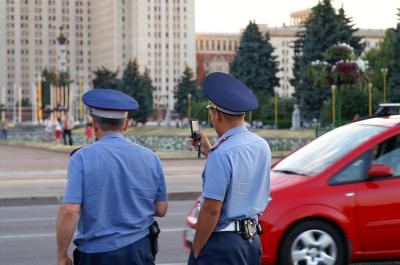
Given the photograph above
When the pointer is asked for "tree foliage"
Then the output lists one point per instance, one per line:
(105, 78)
(49, 78)
(394, 66)
(379, 59)
(254, 64)
(140, 88)
(186, 86)
(323, 29)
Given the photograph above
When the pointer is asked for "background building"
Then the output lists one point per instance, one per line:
(158, 33)
(28, 41)
(215, 51)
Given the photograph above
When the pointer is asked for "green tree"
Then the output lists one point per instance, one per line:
(254, 64)
(186, 85)
(199, 110)
(49, 78)
(145, 96)
(140, 88)
(394, 65)
(323, 29)
(379, 58)
(346, 32)
(64, 79)
(105, 78)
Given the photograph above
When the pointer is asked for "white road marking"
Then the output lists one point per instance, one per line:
(171, 263)
(53, 234)
(27, 220)
(54, 218)
(26, 236)
(171, 229)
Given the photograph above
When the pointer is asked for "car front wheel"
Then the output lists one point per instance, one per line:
(312, 242)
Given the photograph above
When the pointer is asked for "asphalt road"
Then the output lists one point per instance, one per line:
(27, 235)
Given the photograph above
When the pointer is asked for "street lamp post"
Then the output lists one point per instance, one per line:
(384, 71)
(370, 98)
(189, 106)
(334, 104)
(276, 108)
(39, 98)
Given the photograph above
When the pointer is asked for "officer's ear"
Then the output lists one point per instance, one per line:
(95, 127)
(126, 124)
(220, 116)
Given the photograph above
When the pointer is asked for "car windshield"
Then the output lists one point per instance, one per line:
(327, 149)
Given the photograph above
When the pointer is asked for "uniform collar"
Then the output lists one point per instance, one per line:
(233, 131)
(111, 135)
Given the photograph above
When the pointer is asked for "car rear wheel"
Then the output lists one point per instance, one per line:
(312, 242)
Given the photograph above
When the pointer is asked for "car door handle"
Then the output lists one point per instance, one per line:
(350, 194)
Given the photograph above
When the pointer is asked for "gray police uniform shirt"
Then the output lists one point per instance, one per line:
(237, 173)
(117, 183)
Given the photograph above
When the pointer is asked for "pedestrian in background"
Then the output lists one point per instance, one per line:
(235, 179)
(49, 128)
(89, 132)
(58, 130)
(3, 129)
(68, 125)
(115, 188)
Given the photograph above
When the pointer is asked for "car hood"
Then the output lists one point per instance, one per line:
(281, 180)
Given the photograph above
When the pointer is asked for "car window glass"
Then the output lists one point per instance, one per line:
(327, 149)
(388, 153)
(354, 172)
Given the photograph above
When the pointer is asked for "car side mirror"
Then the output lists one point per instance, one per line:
(380, 171)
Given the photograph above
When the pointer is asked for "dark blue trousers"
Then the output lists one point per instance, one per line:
(228, 248)
(137, 253)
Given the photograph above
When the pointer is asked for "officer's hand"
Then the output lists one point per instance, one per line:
(64, 261)
(204, 143)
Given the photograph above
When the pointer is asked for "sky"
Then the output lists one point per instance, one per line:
(232, 15)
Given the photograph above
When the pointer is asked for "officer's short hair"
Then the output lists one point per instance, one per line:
(106, 124)
(230, 117)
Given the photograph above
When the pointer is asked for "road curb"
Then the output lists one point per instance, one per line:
(51, 200)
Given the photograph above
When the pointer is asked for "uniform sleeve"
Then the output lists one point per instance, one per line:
(162, 189)
(217, 176)
(74, 190)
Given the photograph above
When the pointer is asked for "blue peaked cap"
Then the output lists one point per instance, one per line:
(109, 99)
(229, 93)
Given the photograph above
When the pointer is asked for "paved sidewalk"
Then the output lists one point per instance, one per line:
(35, 176)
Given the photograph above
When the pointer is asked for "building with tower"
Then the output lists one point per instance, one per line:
(215, 51)
(158, 33)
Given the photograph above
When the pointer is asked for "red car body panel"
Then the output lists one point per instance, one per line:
(367, 213)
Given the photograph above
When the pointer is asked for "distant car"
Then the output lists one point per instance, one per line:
(335, 199)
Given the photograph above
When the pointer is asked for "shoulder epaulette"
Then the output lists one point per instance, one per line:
(215, 146)
(74, 151)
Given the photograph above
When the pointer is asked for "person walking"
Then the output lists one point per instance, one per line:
(3, 129)
(235, 179)
(68, 125)
(115, 189)
(58, 130)
(89, 130)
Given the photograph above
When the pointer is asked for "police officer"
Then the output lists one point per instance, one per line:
(115, 188)
(235, 179)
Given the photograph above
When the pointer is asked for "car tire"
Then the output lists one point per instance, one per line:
(313, 242)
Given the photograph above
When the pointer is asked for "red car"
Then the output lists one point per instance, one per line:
(335, 199)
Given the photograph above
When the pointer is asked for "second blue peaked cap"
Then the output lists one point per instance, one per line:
(229, 94)
(109, 103)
